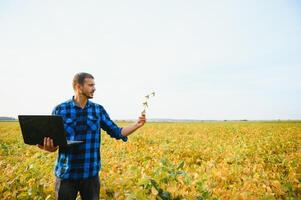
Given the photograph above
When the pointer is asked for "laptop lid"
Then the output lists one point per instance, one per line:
(36, 127)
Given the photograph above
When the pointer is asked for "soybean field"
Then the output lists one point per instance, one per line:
(182, 160)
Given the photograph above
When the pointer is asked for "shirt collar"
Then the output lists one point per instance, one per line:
(88, 104)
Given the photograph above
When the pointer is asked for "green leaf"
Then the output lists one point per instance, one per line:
(181, 165)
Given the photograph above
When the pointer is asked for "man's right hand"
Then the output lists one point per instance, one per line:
(48, 145)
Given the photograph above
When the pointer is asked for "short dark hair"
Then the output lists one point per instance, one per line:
(79, 78)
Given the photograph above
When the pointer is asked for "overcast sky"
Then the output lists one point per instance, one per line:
(204, 59)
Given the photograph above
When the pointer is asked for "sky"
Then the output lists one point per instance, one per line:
(206, 60)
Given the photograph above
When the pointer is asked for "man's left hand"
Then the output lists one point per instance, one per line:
(141, 121)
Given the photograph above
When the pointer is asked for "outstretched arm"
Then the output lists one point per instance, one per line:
(126, 131)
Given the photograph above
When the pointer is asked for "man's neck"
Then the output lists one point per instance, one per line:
(80, 100)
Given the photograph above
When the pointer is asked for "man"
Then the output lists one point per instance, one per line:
(77, 166)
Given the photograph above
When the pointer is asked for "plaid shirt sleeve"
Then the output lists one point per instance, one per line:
(110, 127)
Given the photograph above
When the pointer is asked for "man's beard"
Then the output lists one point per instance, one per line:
(87, 96)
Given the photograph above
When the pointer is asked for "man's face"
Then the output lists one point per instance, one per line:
(88, 88)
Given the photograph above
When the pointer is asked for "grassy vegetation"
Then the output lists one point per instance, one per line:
(215, 160)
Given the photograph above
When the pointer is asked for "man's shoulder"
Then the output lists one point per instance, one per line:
(63, 105)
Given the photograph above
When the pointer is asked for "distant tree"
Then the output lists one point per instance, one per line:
(7, 119)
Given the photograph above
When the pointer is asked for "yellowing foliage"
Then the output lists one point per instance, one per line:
(212, 160)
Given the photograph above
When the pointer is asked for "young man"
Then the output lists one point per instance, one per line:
(77, 166)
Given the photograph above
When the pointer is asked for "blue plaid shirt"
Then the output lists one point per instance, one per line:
(83, 160)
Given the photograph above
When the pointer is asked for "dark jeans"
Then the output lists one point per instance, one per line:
(68, 189)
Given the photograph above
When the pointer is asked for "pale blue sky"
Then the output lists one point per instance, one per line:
(205, 59)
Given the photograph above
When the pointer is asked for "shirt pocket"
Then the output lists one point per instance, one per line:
(93, 123)
(69, 126)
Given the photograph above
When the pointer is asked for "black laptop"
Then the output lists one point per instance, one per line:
(36, 127)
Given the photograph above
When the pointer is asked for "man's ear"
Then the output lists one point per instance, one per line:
(78, 87)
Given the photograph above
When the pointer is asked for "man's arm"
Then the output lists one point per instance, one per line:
(126, 131)
(116, 132)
